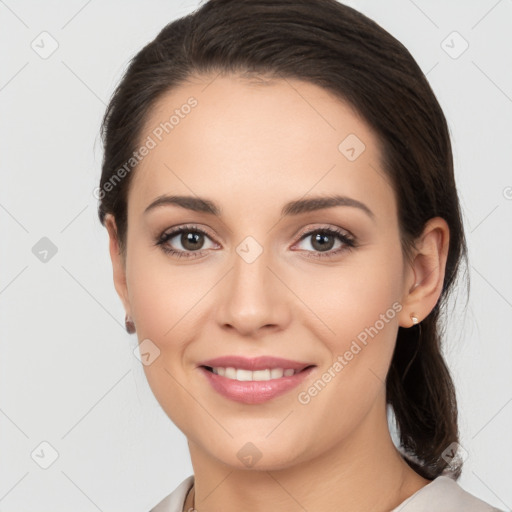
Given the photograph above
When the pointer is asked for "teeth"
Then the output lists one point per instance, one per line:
(276, 373)
(260, 375)
(257, 375)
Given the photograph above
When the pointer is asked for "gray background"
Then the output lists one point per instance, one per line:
(68, 375)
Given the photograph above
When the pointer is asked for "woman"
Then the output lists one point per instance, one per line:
(284, 230)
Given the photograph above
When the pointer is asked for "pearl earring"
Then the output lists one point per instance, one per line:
(414, 319)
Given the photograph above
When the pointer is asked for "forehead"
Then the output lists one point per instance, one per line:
(246, 142)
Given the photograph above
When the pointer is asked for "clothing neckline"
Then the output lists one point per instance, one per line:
(442, 494)
(425, 488)
(189, 483)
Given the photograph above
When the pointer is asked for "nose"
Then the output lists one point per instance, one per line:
(253, 298)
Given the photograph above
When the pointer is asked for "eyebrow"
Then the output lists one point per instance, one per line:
(202, 205)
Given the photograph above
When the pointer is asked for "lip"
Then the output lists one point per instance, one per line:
(255, 363)
(255, 392)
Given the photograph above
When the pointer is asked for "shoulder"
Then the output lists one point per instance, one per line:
(174, 502)
(444, 494)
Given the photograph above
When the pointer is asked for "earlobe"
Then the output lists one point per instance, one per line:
(426, 273)
(118, 263)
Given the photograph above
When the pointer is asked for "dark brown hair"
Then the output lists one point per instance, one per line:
(338, 48)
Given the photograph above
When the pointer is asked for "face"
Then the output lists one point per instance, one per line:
(323, 288)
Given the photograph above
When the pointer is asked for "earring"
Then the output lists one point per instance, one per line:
(414, 319)
(130, 326)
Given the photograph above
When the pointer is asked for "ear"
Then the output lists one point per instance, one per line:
(425, 275)
(118, 262)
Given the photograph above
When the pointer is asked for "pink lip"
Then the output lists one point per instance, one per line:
(254, 392)
(254, 363)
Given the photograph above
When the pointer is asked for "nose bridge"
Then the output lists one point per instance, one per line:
(252, 296)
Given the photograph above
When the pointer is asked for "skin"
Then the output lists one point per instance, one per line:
(250, 148)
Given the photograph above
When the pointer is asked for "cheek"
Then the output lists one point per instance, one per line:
(163, 295)
(355, 294)
(164, 300)
(356, 308)
(353, 377)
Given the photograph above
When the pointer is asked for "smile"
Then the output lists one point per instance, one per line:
(254, 387)
(257, 375)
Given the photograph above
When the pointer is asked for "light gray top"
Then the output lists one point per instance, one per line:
(441, 495)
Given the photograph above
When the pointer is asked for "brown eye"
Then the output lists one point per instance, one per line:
(323, 241)
(192, 240)
(186, 241)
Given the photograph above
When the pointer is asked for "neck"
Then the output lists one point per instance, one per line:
(362, 472)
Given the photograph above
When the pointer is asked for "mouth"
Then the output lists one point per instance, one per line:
(254, 386)
(263, 375)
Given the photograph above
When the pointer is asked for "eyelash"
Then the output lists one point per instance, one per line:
(348, 241)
